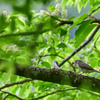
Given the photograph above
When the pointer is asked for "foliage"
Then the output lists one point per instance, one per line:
(33, 38)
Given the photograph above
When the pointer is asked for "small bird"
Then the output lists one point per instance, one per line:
(84, 67)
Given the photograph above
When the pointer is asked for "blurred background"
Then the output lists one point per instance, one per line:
(8, 5)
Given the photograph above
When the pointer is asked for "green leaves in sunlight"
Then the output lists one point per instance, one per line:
(63, 3)
(51, 8)
(51, 50)
(23, 60)
(78, 20)
(46, 64)
(3, 22)
(35, 33)
(83, 31)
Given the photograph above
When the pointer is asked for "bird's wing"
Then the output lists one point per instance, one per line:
(86, 66)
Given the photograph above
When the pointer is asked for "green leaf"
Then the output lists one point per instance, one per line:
(62, 45)
(13, 89)
(81, 28)
(85, 32)
(79, 6)
(23, 60)
(13, 78)
(51, 50)
(63, 3)
(46, 64)
(51, 8)
(78, 20)
(63, 32)
(3, 22)
(97, 35)
(28, 89)
(71, 18)
(22, 90)
(6, 77)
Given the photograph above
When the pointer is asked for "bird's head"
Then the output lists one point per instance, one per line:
(76, 62)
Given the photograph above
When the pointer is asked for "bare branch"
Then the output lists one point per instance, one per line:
(53, 93)
(9, 94)
(15, 83)
(81, 46)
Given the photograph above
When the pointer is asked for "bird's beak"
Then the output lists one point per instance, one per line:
(73, 63)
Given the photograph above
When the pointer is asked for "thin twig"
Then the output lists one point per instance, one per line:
(72, 66)
(94, 10)
(15, 83)
(93, 93)
(51, 55)
(9, 94)
(81, 46)
(53, 93)
(5, 96)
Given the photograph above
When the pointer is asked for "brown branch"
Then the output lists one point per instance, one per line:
(9, 94)
(72, 22)
(24, 33)
(81, 46)
(60, 76)
(6, 97)
(53, 93)
(15, 83)
(94, 10)
(64, 22)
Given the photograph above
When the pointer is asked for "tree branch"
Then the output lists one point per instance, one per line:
(9, 94)
(81, 46)
(25, 33)
(53, 93)
(60, 77)
(15, 83)
(94, 10)
(57, 76)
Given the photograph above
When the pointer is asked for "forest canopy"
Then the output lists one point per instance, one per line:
(30, 40)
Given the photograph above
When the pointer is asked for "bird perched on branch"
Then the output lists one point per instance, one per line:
(84, 67)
